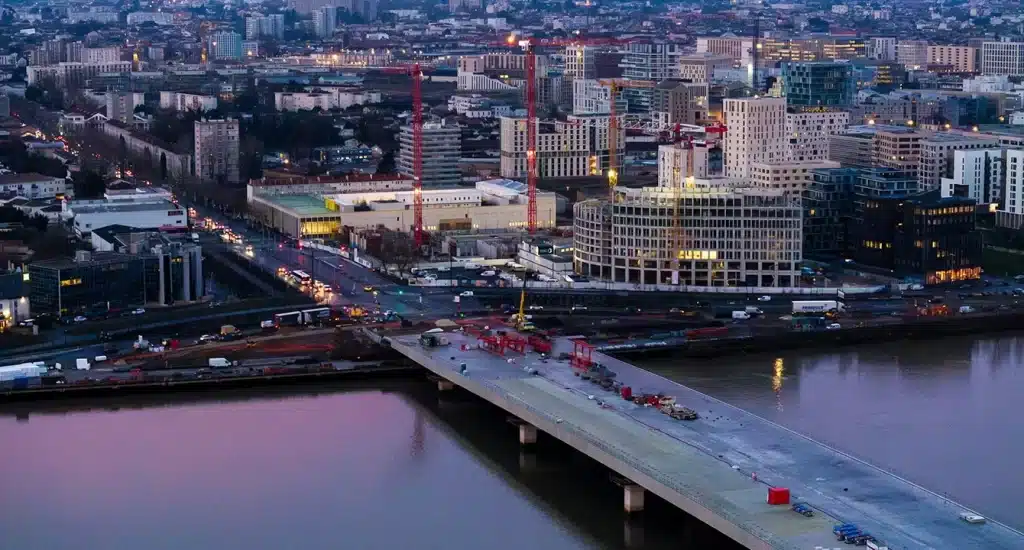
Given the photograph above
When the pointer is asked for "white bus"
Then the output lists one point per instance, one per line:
(302, 277)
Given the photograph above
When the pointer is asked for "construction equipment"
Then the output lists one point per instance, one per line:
(416, 71)
(528, 46)
(614, 84)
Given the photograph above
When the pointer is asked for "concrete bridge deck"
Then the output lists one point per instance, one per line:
(705, 467)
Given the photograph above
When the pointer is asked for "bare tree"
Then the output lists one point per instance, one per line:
(397, 250)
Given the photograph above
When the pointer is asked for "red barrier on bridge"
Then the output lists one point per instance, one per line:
(581, 355)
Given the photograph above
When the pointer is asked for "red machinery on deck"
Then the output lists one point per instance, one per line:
(582, 355)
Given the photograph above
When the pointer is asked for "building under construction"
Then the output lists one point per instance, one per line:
(700, 233)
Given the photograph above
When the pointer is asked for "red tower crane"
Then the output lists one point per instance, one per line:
(530, 63)
(416, 72)
(417, 153)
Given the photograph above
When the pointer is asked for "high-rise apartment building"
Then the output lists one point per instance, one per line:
(324, 20)
(937, 152)
(1005, 58)
(652, 61)
(575, 147)
(757, 134)
(1011, 213)
(977, 175)
(366, 9)
(110, 54)
(898, 150)
(810, 131)
(121, 105)
(961, 58)
(216, 151)
(252, 27)
(442, 148)
(812, 49)
(580, 62)
(272, 26)
(225, 45)
(882, 48)
(818, 84)
(679, 102)
(590, 97)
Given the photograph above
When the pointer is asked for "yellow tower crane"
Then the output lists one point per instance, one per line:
(614, 84)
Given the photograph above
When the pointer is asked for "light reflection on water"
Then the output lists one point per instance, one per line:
(943, 413)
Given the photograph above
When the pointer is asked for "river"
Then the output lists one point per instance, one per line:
(945, 414)
(362, 468)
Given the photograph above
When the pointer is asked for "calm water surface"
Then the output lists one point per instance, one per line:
(355, 469)
(946, 414)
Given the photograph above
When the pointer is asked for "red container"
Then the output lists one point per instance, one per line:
(778, 495)
(627, 393)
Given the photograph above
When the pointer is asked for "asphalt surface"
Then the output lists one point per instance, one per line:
(718, 467)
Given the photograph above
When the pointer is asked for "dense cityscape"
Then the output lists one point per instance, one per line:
(304, 190)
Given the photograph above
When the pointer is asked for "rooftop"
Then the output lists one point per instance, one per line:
(96, 258)
(95, 208)
(12, 179)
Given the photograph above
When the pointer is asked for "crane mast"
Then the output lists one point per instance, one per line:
(417, 152)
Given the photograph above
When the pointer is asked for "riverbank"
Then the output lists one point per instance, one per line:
(765, 341)
(208, 384)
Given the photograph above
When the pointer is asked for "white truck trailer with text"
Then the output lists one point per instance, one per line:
(817, 306)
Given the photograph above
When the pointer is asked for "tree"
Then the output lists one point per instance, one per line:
(88, 185)
(397, 250)
(387, 163)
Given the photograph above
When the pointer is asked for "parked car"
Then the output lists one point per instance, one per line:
(80, 319)
(764, 298)
(138, 311)
(535, 308)
(208, 338)
(466, 293)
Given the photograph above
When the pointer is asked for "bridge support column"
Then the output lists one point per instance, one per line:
(445, 385)
(527, 434)
(633, 498)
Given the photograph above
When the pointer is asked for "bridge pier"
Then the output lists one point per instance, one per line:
(633, 498)
(527, 434)
(445, 385)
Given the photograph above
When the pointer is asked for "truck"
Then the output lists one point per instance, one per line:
(228, 330)
(218, 362)
(740, 315)
(817, 306)
(82, 363)
(288, 319)
(315, 316)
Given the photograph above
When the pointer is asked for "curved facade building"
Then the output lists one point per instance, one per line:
(726, 236)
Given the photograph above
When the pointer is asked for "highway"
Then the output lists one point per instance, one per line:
(348, 278)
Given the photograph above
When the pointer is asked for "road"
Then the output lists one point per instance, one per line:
(348, 278)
